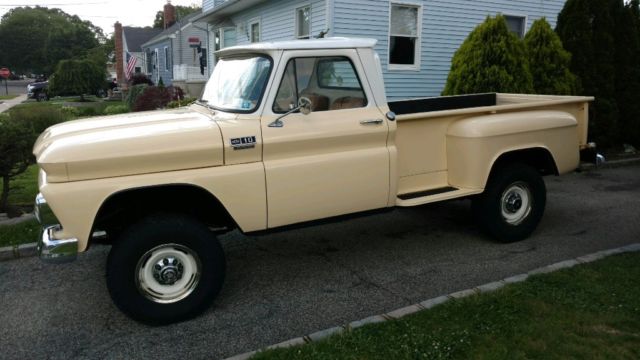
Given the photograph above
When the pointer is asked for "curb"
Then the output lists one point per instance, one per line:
(611, 164)
(428, 304)
(18, 251)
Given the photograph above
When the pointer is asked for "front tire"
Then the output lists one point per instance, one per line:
(512, 204)
(165, 269)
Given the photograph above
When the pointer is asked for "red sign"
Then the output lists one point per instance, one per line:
(4, 72)
(194, 40)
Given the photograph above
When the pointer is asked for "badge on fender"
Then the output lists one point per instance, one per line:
(247, 142)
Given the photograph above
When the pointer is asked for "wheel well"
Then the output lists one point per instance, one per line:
(538, 158)
(126, 207)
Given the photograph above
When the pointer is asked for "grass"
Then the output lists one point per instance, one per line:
(8, 97)
(24, 187)
(587, 312)
(86, 109)
(22, 233)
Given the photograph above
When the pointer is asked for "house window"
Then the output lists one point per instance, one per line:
(138, 70)
(516, 24)
(254, 29)
(166, 58)
(303, 21)
(404, 36)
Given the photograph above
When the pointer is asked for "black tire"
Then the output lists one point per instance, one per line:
(512, 204)
(131, 263)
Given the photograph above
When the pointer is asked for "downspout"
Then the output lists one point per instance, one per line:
(329, 16)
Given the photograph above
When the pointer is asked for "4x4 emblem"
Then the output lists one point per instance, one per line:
(247, 142)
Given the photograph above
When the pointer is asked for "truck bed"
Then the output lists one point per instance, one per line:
(426, 157)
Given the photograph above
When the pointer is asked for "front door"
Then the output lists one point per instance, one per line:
(334, 160)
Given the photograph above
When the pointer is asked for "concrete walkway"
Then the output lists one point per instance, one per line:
(8, 104)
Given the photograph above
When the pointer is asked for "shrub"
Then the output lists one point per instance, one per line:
(178, 103)
(70, 111)
(586, 28)
(491, 59)
(16, 142)
(133, 94)
(175, 92)
(548, 61)
(138, 79)
(76, 77)
(86, 111)
(39, 118)
(154, 97)
(116, 109)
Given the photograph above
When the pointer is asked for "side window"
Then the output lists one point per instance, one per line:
(331, 83)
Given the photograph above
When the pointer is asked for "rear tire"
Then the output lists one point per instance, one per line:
(512, 204)
(165, 269)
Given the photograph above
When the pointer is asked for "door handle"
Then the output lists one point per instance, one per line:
(371, 122)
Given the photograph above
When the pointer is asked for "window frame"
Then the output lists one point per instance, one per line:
(525, 21)
(295, 15)
(418, 54)
(166, 58)
(255, 21)
(295, 71)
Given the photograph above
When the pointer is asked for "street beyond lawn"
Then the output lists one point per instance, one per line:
(287, 285)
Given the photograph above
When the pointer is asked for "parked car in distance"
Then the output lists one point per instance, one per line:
(38, 90)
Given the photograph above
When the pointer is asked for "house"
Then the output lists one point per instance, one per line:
(178, 54)
(128, 43)
(416, 38)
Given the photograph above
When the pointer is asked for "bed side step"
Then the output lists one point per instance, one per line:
(424, 193)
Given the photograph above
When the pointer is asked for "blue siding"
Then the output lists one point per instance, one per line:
(277, 19)
(445, 25)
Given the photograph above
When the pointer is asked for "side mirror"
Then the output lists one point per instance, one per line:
(304, 106)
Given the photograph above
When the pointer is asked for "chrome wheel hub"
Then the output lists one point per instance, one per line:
(168, 270)
(515, 203)
(168, 273)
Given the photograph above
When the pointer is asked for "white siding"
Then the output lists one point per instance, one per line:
(445, 25)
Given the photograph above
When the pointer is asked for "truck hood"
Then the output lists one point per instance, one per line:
(129, 144)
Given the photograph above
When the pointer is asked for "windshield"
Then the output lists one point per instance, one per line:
(237, 84)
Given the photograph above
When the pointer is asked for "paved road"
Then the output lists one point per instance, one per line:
(283, 286)
(15, 86)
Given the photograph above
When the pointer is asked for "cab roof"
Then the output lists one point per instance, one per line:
(309, 44)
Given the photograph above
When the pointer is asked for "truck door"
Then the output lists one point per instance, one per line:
(334, 160)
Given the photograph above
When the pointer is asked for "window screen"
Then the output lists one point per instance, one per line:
(404, 35)
(516, 24)
(303, 16)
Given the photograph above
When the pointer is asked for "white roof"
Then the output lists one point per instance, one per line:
(310, 44)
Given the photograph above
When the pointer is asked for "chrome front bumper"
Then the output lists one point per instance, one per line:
(50, 248)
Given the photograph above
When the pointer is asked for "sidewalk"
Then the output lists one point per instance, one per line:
(7, 104)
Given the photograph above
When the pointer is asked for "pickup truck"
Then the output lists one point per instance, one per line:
(286, 133)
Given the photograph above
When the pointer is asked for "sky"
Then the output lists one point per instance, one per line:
(103, 13)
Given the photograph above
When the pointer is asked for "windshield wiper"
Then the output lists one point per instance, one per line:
(204, 103)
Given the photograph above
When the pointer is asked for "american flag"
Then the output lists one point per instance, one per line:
(131, 64)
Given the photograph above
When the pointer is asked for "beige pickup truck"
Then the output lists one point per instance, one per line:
(286, 133)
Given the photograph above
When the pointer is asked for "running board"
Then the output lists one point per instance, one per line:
(434, 195)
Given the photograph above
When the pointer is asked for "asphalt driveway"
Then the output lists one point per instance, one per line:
(290, 284)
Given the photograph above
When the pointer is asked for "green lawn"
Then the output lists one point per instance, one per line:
(24, 187)
(8, 97)
(587, 312)
(25, 232)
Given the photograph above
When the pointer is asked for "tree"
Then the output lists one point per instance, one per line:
(549, 62)
(181, 12)
(586, 28)
(627, 77)
(16, 141)
(77, 77)
(491, 59)
(36, 39)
